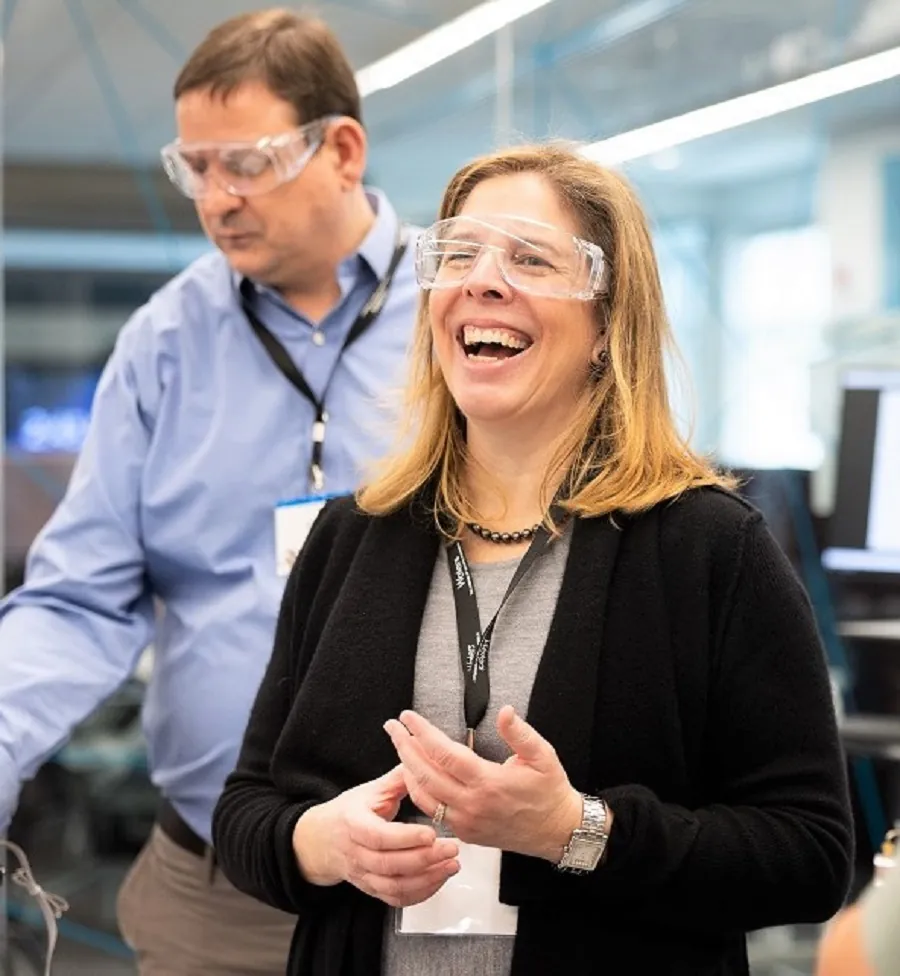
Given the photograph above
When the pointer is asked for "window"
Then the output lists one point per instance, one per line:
(776, 299)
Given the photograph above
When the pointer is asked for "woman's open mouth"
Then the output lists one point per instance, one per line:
(492, 344)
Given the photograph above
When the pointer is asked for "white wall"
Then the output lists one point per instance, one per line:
(851, 210)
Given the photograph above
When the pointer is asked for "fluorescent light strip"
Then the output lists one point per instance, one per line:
(443, 42)
(650, 139)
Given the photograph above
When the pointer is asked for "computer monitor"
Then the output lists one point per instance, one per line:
(864, 535)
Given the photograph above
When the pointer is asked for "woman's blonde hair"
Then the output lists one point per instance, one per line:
(622, 451)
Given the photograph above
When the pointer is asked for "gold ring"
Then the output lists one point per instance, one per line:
(439, 814)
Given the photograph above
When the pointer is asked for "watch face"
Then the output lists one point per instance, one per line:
(583, 854)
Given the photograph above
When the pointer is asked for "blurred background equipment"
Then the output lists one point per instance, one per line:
(864, 535)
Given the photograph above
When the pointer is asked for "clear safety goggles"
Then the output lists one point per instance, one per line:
(242, 169)
(530, 256)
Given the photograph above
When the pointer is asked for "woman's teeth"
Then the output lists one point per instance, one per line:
(505, 344)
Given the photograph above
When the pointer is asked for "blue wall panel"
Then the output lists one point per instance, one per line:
(892, 232)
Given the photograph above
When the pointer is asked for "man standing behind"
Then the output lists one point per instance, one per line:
(251, 379)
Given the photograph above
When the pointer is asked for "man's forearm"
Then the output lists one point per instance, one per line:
(55, 669)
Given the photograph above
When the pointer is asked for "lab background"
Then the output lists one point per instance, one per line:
(764, 139)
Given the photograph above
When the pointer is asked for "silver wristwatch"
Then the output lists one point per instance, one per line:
(588, 842)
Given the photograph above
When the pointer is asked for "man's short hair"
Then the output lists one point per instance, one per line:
(296, 56)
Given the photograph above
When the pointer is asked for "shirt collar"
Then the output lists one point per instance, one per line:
(377, 247)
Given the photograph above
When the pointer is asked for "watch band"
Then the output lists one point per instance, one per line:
(595, 816)
(585, 848)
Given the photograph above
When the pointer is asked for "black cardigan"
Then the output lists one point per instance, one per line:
(683, 680)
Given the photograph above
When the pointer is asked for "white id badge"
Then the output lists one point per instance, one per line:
(293, 520)
(469, 902)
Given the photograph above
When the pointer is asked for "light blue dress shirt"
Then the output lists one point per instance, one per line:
(166, 532)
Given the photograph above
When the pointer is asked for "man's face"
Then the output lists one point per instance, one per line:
(269, 236)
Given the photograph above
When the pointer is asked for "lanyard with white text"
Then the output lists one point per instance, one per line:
(288, 368)
(474, 647)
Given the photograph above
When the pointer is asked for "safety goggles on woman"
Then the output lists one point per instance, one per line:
(530, 256)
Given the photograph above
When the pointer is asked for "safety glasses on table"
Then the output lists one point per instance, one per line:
(242, 168)
(530, 256)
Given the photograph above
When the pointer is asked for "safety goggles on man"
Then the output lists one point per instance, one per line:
(531, 256)
(242, 169)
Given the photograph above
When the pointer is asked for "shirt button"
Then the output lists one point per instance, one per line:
(318, 338)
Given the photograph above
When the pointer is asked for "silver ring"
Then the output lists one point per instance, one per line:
(439, 814)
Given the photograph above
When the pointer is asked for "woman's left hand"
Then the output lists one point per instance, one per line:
(525, 804)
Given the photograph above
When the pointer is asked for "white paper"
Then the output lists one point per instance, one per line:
(468, 903)
(293, 520)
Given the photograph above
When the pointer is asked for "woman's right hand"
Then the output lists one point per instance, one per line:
(353, 838)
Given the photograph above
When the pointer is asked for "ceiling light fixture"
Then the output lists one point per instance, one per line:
(735, 112)
(443, 42)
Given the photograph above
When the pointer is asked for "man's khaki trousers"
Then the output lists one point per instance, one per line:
(184, 919)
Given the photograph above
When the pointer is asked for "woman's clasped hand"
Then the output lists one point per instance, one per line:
(526, 805)
(355, 838)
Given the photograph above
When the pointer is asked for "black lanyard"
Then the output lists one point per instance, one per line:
(475, 647)
(288, 368)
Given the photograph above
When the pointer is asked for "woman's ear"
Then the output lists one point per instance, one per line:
(600, 352)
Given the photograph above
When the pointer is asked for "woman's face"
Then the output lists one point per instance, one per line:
(513, 359)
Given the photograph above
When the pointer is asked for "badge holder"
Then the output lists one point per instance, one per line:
(293, 520)
(467, 904)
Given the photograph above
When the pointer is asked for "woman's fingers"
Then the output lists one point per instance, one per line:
(424, 775)
(453, 758)
(369, 831)
(524, 740)
(410, 890)
(406, 863)
(399, 863)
